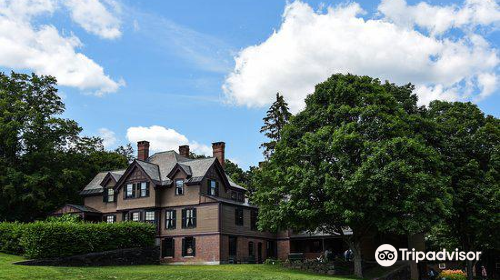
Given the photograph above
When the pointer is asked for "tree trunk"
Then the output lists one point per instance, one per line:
(470, 274)
(358, 266)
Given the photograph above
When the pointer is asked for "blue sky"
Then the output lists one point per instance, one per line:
(164, 63)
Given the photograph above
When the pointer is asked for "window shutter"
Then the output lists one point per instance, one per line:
(174, 218)
(147, 189)
(194, 217)
(164, 248)
(183, 220)
(114, 218)
(183, 247)
(173, 248)
(208, 187)
(124, 189)
(133, 189)
(194, 245)
(217, 188)
(115, 196)
(104, 195)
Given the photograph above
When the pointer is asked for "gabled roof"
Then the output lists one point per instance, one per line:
(159, 168)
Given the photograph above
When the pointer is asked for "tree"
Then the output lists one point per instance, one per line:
(127, 151)
(359, 157)
(277, 117)
(470, 145)
(43, 161)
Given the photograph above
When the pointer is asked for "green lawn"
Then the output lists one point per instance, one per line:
(148, 272)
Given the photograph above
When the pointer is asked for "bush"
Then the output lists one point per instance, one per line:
(453, 275)
(10, 236)
(60, 239)
(271, 261)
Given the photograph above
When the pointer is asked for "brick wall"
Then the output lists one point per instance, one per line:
(207, 250)
(283, 249)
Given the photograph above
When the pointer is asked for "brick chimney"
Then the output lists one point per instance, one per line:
(142, 150)
(218, 152)
(184, 151)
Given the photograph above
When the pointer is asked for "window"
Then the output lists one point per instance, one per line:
(110, 219)
(189, 218)
(167, 248)
(150, 216)
(170, 219)
(130, 191)
(232, 246)
(238, 216)
(136, 216)
(234, 195)
(188, 247)
(125, 217)
(213, 187)
(179, 187)
(111, 195)
(250, 249)
(253, 219)
(241, 197)
(144, 189)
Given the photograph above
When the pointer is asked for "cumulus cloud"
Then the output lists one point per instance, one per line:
(439, 19)
(26, 44)
(108, 137)
(310, 46)
(94, 17)
(164, 139)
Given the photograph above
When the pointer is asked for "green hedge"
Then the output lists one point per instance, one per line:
(59, 239)
(10, 236)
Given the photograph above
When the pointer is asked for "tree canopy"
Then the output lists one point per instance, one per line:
(277, 117)
(359, 156)
(44, 161)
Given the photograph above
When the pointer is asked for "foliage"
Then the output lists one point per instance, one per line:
(58, 239)
(11, 271)
(272, 262)
(277, 117)
(127, 151)
(452, 275)
(359, 156)
(10, 235)
(469, 142)
(70, 218)
(44, 162)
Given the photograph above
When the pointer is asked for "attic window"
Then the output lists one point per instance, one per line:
(213, 188)
(111, 195)
(179, 187)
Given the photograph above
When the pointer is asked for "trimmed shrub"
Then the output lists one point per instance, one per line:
(453, 275)
(10, 236)
(61, 239)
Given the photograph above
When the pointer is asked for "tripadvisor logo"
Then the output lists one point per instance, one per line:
(387, 255)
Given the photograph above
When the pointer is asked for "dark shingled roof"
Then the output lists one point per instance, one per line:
(83, 208)
(158, 167)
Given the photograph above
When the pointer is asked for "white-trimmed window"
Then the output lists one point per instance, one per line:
(179, 187)
(189, 218)
(110, 219)
(170, 219)
(111, 195)
(144, 189)
(213, 187)
(136, 216)
(130, 191)
(150, 216)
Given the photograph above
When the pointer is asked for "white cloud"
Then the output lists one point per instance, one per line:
(94, 17)
(439, 19)
(164, 139)
(25, 44)
(312, 45)
(108, 137)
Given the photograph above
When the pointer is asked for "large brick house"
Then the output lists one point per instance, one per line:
(201, 215)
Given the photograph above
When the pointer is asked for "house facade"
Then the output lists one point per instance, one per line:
(201, 215)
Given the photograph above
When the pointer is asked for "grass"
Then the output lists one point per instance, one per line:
(150, 272)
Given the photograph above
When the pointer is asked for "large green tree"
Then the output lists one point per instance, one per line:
(469, 142)
(359, 157)
(277, 117)
(44, 161)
